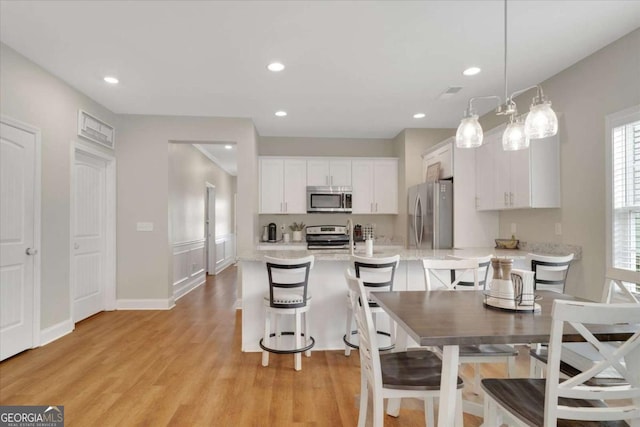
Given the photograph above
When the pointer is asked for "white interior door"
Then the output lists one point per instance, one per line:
(88, 252)
(17, 239)
(211, 230)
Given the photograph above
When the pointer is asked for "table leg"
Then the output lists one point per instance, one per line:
(448, 386)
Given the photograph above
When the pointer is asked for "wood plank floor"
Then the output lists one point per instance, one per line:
(184, 367)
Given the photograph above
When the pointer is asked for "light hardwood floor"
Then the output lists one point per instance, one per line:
(184, 367)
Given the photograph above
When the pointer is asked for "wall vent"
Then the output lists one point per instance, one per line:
(450, 92)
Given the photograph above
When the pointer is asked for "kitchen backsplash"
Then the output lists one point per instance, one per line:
(384, 224)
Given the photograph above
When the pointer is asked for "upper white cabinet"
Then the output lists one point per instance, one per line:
(442, 154)
(283, 185)
(517, 179)
(334, 172)
(375, 186)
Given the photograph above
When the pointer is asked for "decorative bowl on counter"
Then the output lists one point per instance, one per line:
(507, 243)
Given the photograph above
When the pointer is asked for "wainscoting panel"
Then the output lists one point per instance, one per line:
(225, 251)
(188, 266)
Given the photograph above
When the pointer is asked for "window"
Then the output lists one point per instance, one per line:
(623, 236)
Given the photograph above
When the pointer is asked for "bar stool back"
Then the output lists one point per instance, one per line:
(550, 271)
(288, 295)
(377, 274)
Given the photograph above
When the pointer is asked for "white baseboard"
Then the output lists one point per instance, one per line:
(228, 262)
(145, 304)
(56, 331)
(187, 286)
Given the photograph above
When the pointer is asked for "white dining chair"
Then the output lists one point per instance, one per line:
(543, 402)
(447, 274)
(406, 374)
(614, 291)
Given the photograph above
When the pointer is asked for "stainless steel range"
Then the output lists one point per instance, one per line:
(327, 237)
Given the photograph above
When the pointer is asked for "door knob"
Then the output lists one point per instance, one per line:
(31, 251)
(76, 246)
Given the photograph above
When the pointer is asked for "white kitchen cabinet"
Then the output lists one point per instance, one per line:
(375, 186)
(443, 154)
(517, 179)
(283, 185)
(334, 172)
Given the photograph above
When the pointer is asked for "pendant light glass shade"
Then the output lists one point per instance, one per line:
(541, 121)
(469, 133)
(514, 136)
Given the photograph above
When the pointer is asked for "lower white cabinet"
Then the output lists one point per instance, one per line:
(375, 186)
(517, 179)
(283, 184)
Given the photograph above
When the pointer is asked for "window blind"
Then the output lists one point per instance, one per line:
(625, 140)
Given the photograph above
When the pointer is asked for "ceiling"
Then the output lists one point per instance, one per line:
(357, 69)
(226, 158)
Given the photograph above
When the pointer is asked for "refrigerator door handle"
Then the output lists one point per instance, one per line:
(418, 230)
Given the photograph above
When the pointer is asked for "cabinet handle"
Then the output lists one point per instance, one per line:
(371, 209)
(506, 201)
(511, 198)
(326, 179)
(286, 207)
(376, 206)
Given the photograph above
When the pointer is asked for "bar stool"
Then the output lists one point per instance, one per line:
(377, 274)
(550, 271)
(288, 282)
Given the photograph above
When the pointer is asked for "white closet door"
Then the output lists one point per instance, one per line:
(88, 236)
(17, 252)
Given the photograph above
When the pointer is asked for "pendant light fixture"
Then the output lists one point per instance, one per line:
(541, 121)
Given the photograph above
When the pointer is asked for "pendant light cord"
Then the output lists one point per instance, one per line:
(506, 94)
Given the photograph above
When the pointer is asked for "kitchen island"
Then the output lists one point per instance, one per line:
(327, 286)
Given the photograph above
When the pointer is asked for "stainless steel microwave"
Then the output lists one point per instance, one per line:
(329, 199)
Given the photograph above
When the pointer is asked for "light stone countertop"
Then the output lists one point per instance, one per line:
(378, 252)
(299, 249)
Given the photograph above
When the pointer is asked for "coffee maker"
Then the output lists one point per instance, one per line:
(273, 235)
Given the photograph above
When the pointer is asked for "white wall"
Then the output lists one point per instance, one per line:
(144, 267)
(584, 94)
(189, 172)
(303, 146)
(34, 96)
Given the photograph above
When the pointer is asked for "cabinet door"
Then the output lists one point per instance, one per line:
(295, 188)
(340, 172)
(520, 170)
(271, 185)
(502, 181)
(362, 183)
(385, 193)
(444, 155)
(318, 172)
(485, 172)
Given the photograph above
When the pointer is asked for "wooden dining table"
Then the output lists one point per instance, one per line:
(453, 318)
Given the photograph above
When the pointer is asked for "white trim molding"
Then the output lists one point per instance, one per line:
(57, 331)
(188, 266)
(225, 252)
(145, 304)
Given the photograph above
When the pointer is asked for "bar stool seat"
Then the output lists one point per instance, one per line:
(288, 295)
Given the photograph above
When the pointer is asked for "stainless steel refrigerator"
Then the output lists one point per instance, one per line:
(431, 215)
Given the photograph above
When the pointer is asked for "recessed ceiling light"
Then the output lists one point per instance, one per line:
(228, 147)
(281, 113)
(111, 80)
(275, 67)
(419, 115)
(471, 71)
